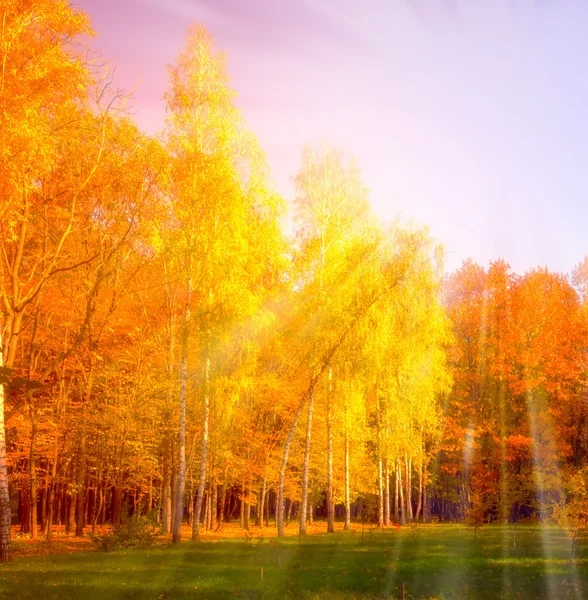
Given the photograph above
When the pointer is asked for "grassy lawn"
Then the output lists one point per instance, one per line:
(442, 562)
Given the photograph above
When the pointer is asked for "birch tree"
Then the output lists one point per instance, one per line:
(223, 229)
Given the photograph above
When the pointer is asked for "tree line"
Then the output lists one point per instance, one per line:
(166, 348)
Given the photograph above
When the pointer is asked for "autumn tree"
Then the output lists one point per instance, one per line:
(223, 223)
(41, 82)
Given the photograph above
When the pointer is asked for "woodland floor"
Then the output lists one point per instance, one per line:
(438, 561)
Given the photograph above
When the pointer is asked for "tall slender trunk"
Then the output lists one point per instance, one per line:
(105, 500)
(5, 513)
(149, 501)
(199, 498)
(259, 506)
(174, 490)
(408, 488)
(249, 496)
(51, 490)
(98, 497)
(223, 500)
(347, 485)
(400, 487)
(117, 500)
(58, 504)
(117, 488)
(50, 509)
(426, 502)
(396, 506)
(166, 500)
(380, 474)
(213, 507)
(43, 503)
(330, 499)
(71, 508)
(242, 508)
(81, 458)
(262, 501)
(181, 480)
(233, 501)
(24, 508)
(246, 506)
(380, 494)
(207, 510)
(80, 477)
(283, 464)
(304, 501)
(191, 502)
(89, 506)
(387, 493)
(33, 472)
(420, 500)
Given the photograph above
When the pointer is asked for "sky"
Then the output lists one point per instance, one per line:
(468, 116)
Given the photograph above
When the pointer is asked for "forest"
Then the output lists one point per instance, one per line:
(178, 341)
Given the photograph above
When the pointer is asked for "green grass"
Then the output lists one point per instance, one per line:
(442, 562)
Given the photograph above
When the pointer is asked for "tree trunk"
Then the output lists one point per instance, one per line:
(166, 494)
(242, 508)
(408, 488)
(106, 491)
(5, 512)
(223, 500)
(206, 519)
(280, 502)
(80, 476)
(380, 494)
(330, 500)
(210, 506)
(116, 505)
(43, 502)
(347, 485)
(233, 502)
(425, 505)
(24, 509)
(100, 490)
(387, 494)
(396, 506)
(149, 501)
(420, 500)
(261, 504)
(199, 498)
(71, 512)
(304, 501)
(214, 507)
(400, 487)
(87, 503)
(258, 522)
(58, 510)
(380, 474)
(98, 498)
(50, 510)
(247, 508)
(181, 479)
(174, 489)
(33, 473)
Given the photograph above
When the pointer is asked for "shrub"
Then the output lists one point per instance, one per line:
(136, 532)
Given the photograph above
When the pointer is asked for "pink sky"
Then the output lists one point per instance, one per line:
(468, 116)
